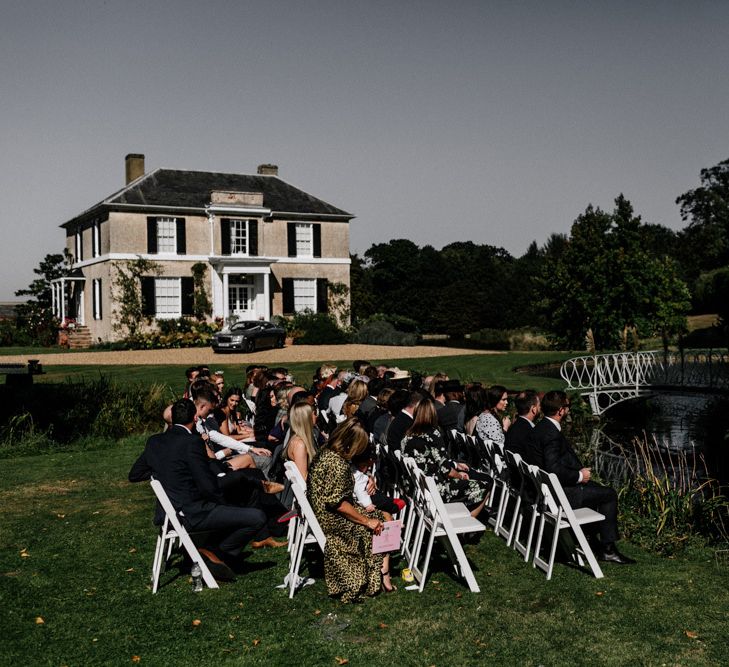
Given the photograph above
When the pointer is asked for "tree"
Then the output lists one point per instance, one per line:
(605, 281)
(127, 285)
(35, 317)
(201, 306)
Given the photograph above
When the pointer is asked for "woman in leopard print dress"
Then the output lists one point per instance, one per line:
(351, 569)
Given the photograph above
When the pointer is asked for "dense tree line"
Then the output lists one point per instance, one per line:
(612, 275)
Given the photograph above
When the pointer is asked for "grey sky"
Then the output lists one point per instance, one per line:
(496, 122)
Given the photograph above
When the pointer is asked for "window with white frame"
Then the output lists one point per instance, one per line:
(96, 296)
(239, 237)
(95, 238)
(166, 235)
(304, 294)
(78, 241)
(304, 239)
(167, 298)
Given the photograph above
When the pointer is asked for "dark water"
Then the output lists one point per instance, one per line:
(695, 423)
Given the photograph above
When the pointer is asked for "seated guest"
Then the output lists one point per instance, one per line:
(362, 465)
(475, 404)
(356, 393)
(368, 406)
(520, 432)
(330, 384)
(337, 401)
(491, 425)
(402, 421)
(435, 388)
(448, 414)
(424, 443)
(550, 450)
(229, 419)
(219, 381)
(190, 375)
(301, 446)
(350, 568)
(379, 420)
(359, 366)
(178, 460)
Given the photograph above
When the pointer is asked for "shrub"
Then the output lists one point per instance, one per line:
(494, 339)
(318, 329)
(525, 340)
(379, 332)
(667, 502)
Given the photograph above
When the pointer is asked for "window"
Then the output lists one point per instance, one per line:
(167, 298)
(304, 239)
(79, 246)
(304, 294)
(239, 237)
(167, 235)
(95, 238)
(96, 296)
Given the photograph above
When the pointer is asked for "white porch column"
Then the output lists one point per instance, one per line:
(53, 299)
(226, 307)
(266, 296)
(63, 300)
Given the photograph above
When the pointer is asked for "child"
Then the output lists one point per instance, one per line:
(361, 466)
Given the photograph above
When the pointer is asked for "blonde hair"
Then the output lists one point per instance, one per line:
(349, 439)
(301, 423)
(357, 391)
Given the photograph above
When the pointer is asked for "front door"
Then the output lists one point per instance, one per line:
(241, 302)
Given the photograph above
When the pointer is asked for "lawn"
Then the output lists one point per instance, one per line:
(491, 369)
(76, 544)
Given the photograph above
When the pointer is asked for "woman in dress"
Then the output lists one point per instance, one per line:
(356, 393)
(493, 423)
(300, 447)
(229, 418)
(424, 443)
(350, 568)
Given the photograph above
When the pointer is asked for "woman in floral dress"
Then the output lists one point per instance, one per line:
(424, 443)
(491, 425)
(351, 569)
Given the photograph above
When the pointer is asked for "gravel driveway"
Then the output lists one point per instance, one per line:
(205, 355)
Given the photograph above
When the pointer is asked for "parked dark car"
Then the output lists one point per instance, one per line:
(249, 336)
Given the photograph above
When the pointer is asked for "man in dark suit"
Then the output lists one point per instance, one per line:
(550, 450)
(450, 411)
(520, 432)
(403, 420)
(178, 459)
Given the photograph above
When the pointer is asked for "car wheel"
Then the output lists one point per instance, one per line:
(250, 346)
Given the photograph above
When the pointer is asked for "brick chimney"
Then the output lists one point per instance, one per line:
(134, 163)
(267, 169)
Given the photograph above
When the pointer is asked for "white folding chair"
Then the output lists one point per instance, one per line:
(437, 521)
(512, 496)
(566, 523)
(306, 531)
(529, 508)
(171, 531)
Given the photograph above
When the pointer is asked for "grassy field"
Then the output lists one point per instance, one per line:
(491, 369)
(76, 545)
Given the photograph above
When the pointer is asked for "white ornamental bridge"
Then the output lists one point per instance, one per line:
(607, 379)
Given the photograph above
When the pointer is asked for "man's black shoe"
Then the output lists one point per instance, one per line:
(611, 555)
(217, 567)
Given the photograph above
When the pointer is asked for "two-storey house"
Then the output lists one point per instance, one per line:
(270, 248)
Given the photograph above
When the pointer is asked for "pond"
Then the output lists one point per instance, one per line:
(676, 422)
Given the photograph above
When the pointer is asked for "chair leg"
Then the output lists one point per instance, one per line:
(426, 562)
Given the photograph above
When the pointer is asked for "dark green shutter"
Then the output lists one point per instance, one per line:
(147, 296)
(291, 236)
(253, 238)
(287, 285)
(322, 295)
(152, 235)
(101, 299)
(181, 236)
(225, 236)
(317, 240)
(188, 297)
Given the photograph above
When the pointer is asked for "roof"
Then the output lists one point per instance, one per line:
(179, 189)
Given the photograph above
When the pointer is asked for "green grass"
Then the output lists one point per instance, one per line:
(491, 369)
(88, 540)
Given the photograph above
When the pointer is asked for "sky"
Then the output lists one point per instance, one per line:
(494, 122)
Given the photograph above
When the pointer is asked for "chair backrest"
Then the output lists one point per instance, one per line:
(295, 474)
(307, 513)
(164, 500)
(516, 479)
(552, 498)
